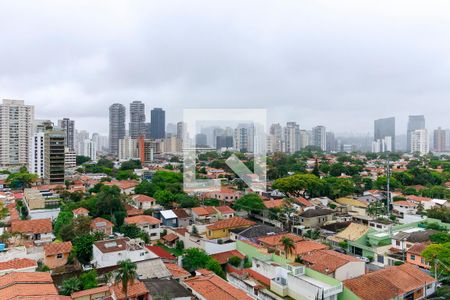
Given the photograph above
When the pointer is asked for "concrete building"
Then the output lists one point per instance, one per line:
(54, 163)
(158, 123)
(305, 139)
(68, 126)
(440, 140)
(384, 128)
(16, 130)
(70, 159)
(128, 148)
(224, 141)
(244, 138)
(291, 137)
(382, 145)
(116, 126)
(419, 142)
(275, 138)
(90, 149)
(319, 137)
(414, 123)
(331, 142)
(137, 119)
(37, 157)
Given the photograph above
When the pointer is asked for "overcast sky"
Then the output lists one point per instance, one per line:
(336, 63)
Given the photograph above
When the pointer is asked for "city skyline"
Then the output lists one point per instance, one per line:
(342, 78)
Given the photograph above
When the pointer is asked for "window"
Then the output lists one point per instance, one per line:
(59, 255)
(380, 259)
(397, 243)
(413, 257)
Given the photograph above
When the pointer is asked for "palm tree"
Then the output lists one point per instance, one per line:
(70, 286)
(126, 274)
(288, 245)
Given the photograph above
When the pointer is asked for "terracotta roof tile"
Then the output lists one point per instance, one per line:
(143, 219)
(224, 209)
(327, 261)
(274, 203)
(304, 247)
(223, 257)
(17, 264)
(143, 198)
(100, 223)
(180, 213)
(32, 226)
(234, 222)
(56, 248)
(212, 287)
(80, 211)
(275, 240)
(161, 252)
(177, 271)
(417, 249)
(170, 237)
(100, 289)
(135, 290)
(404, 203)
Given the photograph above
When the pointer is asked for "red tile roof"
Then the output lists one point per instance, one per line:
(388, 283)
(135, 290)
(143, 198)
(17, 264)
(80, 211)
(417, 249)
(23, 285)
(170, 237)
(100, 223)
(123, 184)
(161, 252)
(404, 203)
(304, 247)
(32, 226)
(204, 211)
(212, 287)
(223, 257)
(302, 201)
(93, 291)
(418, 198)
(180, 213)
(57, 248)
(224, 209)
(142, 219)
(274, 203)
(275, 240)
(327, 261)
(234, 222)
(177, 271)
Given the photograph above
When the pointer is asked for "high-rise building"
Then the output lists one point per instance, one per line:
(54, 152)
(36, 163)
(331, 142)
(305, 139)
(439, 140)
(319, 137)
(128, 148)
(244, 136)
(224, 141)
(116, 126)
(291, 137)
(382, 145)
(80, 137)
(200, 140)
(414, 123)
(70, 159)
(68, 126)
(171, 128)
(137, 119)
(384, 128)
(16, 130)
(90, 149)
(275, 138)
(419, 141)
(158, 123)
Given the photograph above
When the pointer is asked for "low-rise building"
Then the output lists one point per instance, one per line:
(39, 230)
(183, 218)
(57, 254)
(148, 224)
(143, 201)
(135, 291)
(414, 255)
(101, 292)
(102, 225)
(108, 253)
(18, 265)
(221, 229)
(314, 218)
(80, 212)
(398, 282)
(28, 285)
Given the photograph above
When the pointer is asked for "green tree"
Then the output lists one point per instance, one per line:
(82, 247)
(109, 200)
(438, 255)
(21, 180)
(299, 185)
(338, 187)
(106, 163)
(288, 246)
(249, 202)
(126, 174)
(164, 198)
(375, 209)
(195, 258)
(214, 265)
(89, 279)
(80, 159)
(131, 165)
(126, 274)
(64, 218)
(440, 237)
(235, 261)
(146, 188)
(70, 286)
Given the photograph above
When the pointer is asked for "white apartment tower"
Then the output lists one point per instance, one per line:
(275, 143)
(16, 130)
(128, 148)
(319, 137)
(291, 137)
(90, 149)
(419, 141)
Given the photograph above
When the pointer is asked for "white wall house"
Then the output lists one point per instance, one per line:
(108, 253)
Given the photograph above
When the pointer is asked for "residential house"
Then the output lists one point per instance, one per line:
(28, 285)
(208, 286)
(125, 186)
(162, 253)
(225, 195)
(352, 232)
(57, 254)
(177, 272)
(224, 212)
(405, 239)
(221, 229)
(273, 242)
(204, 214)
(80, 212)
(254, 232)
(275, 203)
(39, 230)
(162, 288)
(314, 218)
(101, 292)
(18, 265)
(402, 208)
(334, 264)
(148, 224)
(425, 201)
(135, 291)
(102, 225)
(354, 206)
(143, 201)
(108, 253)
(169, 218)
(414, 255)
(301, 248)
(183, 217)
(223, 257)
(397, 282)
